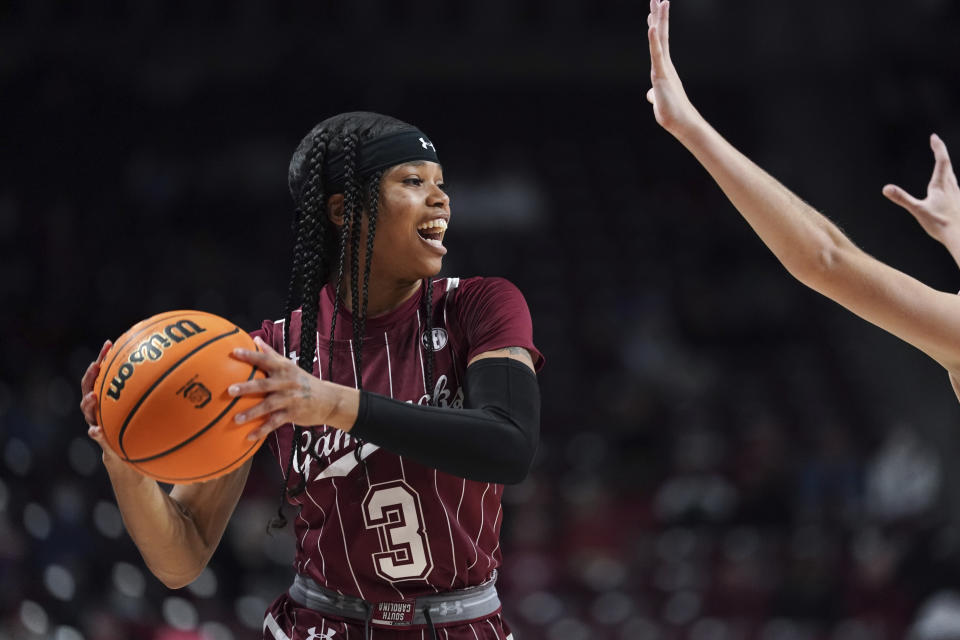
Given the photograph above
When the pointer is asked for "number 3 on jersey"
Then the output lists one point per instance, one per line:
(393, 509)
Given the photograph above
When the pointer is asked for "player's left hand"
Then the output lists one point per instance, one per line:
(290, 394)
(939, 212)
(671, 107)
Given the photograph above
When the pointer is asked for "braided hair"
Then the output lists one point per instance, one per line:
(320, 250)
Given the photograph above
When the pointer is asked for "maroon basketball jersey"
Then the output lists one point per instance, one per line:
(392, 528)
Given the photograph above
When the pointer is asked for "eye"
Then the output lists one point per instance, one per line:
(442, 186)
(413, 180)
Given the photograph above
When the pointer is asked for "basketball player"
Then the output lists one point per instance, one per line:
(397, 408)
(812, 248)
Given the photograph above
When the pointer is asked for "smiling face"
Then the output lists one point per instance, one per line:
(414, 212)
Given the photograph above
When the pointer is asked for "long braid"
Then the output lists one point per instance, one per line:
(352, 227)
(308, 269)
(295, 275)
(350, 165)
(428, 320)
(314, 271)
(336, 295)
(372, 199)
(373, 208)
(280, 521)
(353, 201)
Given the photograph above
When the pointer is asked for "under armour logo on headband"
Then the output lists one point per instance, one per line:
(380, 153)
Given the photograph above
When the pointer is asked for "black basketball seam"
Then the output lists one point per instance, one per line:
(210, 475)
(153, 386)
(207, 476)
(253, 371)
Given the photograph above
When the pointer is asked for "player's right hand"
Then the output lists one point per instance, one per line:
(88, 402)
(671, 107)
(939, 212)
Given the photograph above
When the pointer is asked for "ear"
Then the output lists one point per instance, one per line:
(335, 209)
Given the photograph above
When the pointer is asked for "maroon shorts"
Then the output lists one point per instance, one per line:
(287, 620)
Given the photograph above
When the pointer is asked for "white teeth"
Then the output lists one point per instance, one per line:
(439, 223)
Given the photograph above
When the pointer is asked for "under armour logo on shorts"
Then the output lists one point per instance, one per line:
(316, 636)
(456, 607)
(427, 143)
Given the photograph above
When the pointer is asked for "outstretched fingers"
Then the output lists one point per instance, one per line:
(282, 377)
(659, 18)
(658, 62)
(276, 410)
(260, 342)
(261, 386)
(665, 26)
(942, 168)
(270, 404)
(658, 35)
(266, 359)
(276, 420)
(656, 52)
(898, 196)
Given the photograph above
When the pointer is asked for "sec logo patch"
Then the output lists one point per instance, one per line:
(439, 339)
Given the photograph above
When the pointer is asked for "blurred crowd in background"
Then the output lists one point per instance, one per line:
(725, 455)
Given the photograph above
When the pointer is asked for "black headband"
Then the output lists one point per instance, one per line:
(381, 153)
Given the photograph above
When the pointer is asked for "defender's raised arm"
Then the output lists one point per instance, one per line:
(811, 247)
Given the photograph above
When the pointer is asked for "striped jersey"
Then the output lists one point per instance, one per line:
(389, 528)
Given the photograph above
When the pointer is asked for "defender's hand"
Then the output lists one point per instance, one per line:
(291, 394)
(671, 107)
(939, 212)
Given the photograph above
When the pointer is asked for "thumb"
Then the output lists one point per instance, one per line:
(898, 196)
(96, 434)
(650, 96)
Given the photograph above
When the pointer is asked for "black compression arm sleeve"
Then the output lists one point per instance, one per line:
(492, 439)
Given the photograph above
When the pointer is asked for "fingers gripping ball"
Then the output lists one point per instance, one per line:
(163, 399)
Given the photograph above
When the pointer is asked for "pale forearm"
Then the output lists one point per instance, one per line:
(952, 243)
(804, 241)
(165, 534)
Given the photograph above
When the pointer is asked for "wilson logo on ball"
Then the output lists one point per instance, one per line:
(152, 349)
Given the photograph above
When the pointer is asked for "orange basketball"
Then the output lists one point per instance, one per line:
(164, 406)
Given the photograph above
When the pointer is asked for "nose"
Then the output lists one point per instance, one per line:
(438, 197)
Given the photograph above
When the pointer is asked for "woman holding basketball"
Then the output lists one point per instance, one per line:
(396, 407)
(812, 248)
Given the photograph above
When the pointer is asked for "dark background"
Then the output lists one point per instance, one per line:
(725, 454)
